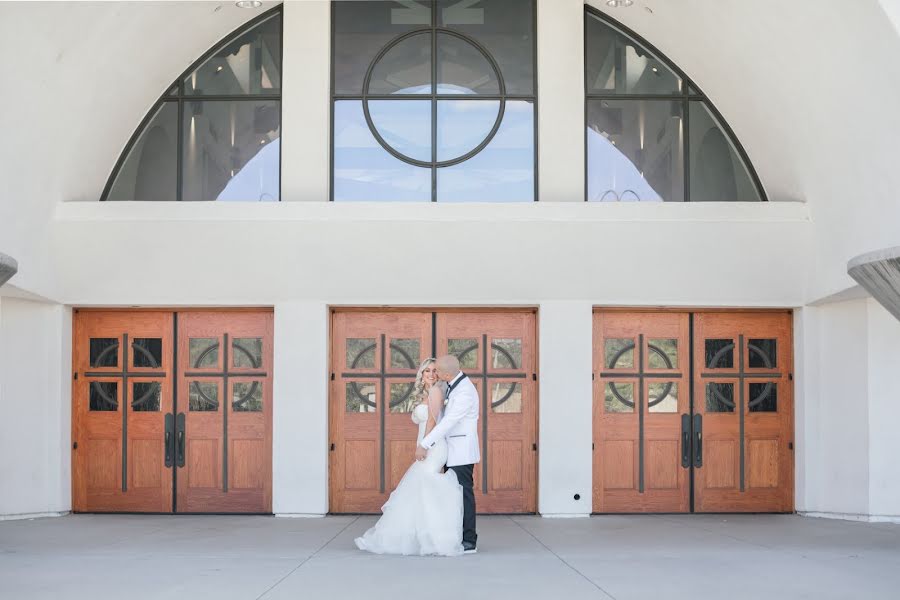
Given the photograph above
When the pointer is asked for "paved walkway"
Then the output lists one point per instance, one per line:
(629, 557)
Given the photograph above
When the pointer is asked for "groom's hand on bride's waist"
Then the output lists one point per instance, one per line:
(421, 453)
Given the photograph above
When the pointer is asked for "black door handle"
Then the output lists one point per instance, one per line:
(698, 440)
(170, 426)
(179, 428)
(686, 441)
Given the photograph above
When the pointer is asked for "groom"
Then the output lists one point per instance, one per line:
(459, 426)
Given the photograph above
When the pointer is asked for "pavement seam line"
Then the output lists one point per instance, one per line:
(308, 558)
(562, 560)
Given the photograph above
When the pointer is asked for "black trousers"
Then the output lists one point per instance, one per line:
(464, 476)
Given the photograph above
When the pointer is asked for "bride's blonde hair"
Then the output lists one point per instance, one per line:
(419, 387)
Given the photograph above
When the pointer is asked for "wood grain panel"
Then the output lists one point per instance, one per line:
(618, 459)
(506, 457)
(245, 472)
(762, 459)
(147, 461)
(203, 463)
(719, 467)
(361, 468)
(662, 464)
(403, 454)
(104, 464)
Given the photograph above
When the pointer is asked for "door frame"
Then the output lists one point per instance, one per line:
(692, 311)
(434, 310)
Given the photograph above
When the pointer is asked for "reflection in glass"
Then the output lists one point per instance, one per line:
(506, 353)
(147, 352)
(145, 396)
(363, 170)
(466, 350)
(404, 125)
(719, 353)
(203, 396)
(104, 352)
(361, 353)
(103, 396)
(762, 353)
(150, 169)
(232, 150)
(503, 171)
(719, 397)
(662, 397)
(360, 397)
(402, 398)
(763, 397)
(246, 353)
(463, 69)
(635, 151)
(203, 353)
(246, 396)
(462, 125)
(662, 353)
(506, 397)
(618, 397)
(405, 353)
(251, 64)
(405, 68)
(619, 353)
(616, 64)
(718, 173)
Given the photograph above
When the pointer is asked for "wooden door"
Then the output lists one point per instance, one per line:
(375, 358)
(744, 402)
(121, 399)
(497, 352)
(641, 406)
(224, 420)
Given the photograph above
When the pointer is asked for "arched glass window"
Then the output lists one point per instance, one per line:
(216, 133)
(433, 100)
(651, 135)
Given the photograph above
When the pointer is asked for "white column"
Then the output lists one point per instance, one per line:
(300, 403)
(560, 70)
(565, 426)
(305, 100)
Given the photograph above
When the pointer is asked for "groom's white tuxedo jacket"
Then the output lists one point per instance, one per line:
(459, 425)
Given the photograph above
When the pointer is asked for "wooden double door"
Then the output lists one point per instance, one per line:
(693, 412)
(172, 411)
(375, 357)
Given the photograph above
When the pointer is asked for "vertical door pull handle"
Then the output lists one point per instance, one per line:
(170, 426)
(698, 440)
(686, 441)
(179, 436)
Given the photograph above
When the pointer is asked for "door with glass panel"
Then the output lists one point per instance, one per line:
(641, 392)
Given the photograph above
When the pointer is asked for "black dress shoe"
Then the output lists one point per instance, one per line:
(469, 549)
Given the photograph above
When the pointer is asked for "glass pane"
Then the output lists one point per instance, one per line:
(506, 397)
(718, 173)
(251, 64)
(762, 353)
(104, 352)
(635, 151)
(466, 350)
(150, 170)
(662, 353)
(504, 169)
(232, 150)
(363, 170)
(203, 396)
(506, 353)
(619, 353)
(719, 397)
(145, 396)
(463, 69)
(173, 91)
(763, 397)
(719, 354)
(505, 28)
(618, 398)
(147, 352)
(104, 396)
(360, 397)
(405, 68)
(663, 397)
(246, 396)
(402, 398)
(405, 353)
(404, 125)
(362, 28)
(616, 64)
(204, 353)
(247, 353)
(462, 125)
(361, 353)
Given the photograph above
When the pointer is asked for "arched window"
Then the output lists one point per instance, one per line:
(215, 134)
(651, 135)
(433, 100)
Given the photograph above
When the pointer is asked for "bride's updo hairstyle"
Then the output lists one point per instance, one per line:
(419, 387)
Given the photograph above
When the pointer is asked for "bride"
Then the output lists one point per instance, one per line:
(424, 513)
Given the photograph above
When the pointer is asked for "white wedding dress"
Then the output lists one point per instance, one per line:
(424, 513)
